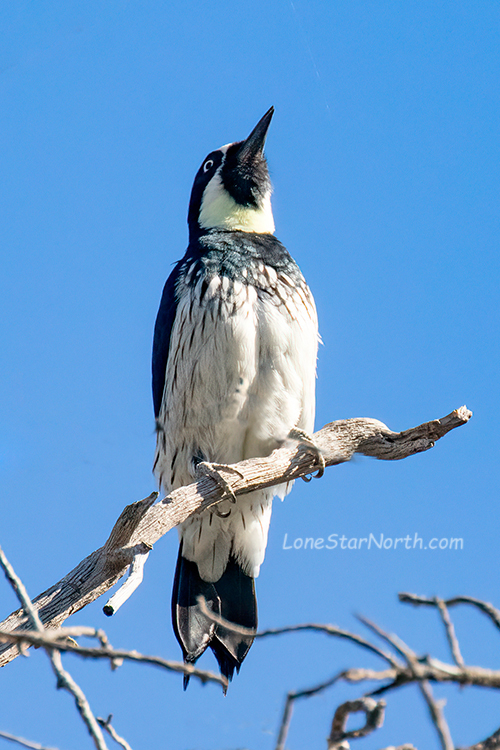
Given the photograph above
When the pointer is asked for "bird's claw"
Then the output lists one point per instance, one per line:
(206, 469)
(221, 513)
(306, 440)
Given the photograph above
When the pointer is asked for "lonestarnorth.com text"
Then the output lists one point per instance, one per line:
(373, 541)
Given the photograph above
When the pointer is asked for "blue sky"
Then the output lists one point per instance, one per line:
(384, 156)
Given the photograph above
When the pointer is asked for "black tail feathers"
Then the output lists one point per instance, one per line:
(232, 598)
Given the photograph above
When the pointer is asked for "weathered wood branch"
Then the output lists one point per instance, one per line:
(374, 719)
(24, 743)
(405, 667)
(64, 679)
(106, 724)
(492, 612)
(61, 640)
(432, 670)
(143, 523)
(490, 743)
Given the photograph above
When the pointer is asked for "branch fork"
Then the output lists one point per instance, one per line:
(143, 523)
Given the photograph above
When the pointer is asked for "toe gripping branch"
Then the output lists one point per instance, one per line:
(206, 469)
(306, 440)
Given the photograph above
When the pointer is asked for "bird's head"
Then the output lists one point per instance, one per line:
(232, 189)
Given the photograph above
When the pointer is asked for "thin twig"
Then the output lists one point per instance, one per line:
(450, 632)
(285, 721)
(374, 719)
(106, 724)
(327, 629)
(24, 743)
(47, 640)
(291, 697)
(335, 631)
(492, 612)
(435, 710)
(490, 743)
(64, 679)
(21, 592)
(416, 670)
(437, 716)
(218, 620)
(396, 642)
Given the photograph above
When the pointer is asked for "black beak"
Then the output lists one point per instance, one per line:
(254, 144)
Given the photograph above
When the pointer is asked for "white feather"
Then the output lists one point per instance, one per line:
(235, 391)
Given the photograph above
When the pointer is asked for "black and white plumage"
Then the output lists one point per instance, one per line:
(234, 362)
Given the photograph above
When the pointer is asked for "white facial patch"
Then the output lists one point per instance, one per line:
(220, 210)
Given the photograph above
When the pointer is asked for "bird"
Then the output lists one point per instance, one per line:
(234, 369)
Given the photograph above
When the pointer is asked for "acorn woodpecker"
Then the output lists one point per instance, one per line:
(234, 367)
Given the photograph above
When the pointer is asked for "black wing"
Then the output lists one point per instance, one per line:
(161, 341)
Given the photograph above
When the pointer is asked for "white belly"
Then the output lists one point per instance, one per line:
(240, 376)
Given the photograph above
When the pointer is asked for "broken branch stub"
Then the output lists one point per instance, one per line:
(142, 524)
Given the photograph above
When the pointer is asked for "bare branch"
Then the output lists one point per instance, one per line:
(106, 724)
(414, 662)
(141, 524)
(135, 576)
(218, 620)
(23, 742)
(396, 642)
(328, 629)
(355, 674)
(64, 679)
(291, 697)
(335, 631)
(374, 715)
(437, 716)
(416, 668)
(285, 722)
(491, 743)
(419, 670)
(21, 592)
(450, 632)
(486, 607)
(59, 639)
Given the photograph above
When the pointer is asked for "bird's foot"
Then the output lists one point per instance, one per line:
(304, 439)
(206, 469)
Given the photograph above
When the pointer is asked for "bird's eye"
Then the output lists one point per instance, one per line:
(208, 165)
